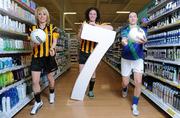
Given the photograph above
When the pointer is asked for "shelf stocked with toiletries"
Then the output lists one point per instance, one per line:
(113, 55)
(162, 60)
(15, 56)
(74, 50)
(63, 53)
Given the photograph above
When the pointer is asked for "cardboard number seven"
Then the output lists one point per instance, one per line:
(104, 39)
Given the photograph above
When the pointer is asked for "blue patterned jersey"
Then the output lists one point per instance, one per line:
(133, 50)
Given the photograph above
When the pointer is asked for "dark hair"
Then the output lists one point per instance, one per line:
(87, 14)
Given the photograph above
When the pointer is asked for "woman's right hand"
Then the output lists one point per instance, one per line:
(35, 44)
(92, 23)
(124, 41)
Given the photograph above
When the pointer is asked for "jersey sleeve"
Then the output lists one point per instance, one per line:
(29, 32)
(55, 33)
(124, 33)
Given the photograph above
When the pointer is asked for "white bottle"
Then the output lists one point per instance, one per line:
(1, 44)
(8, 5)
(24, 90)
(19, 89)
(1, 21)
(4, 104)
(12, 6)
(1, 4)
(8, 104)
(15, 8)
(6, 22)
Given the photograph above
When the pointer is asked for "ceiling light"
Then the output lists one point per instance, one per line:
(77, 23)
(122, 12)
(107, 23)
(68, 29)
(65, 13)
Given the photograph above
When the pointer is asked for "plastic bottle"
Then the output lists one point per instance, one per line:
(4, 104)
(8, 104)
(1, 44)
(19, 89)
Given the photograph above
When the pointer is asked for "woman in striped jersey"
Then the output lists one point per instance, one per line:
(43, 57)
(92, 17)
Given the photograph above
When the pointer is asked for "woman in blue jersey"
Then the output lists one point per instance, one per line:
(132, 61)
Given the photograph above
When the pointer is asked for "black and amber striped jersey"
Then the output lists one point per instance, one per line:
(42, 50)
(87, 46)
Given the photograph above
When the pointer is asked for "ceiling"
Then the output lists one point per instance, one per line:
(107, 9)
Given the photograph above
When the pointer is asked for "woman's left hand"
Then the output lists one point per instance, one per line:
(52, 51)
(141, 40)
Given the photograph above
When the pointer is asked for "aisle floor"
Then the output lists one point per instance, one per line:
(107, 103)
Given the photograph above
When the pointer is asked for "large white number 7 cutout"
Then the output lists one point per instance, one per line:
(105, 39)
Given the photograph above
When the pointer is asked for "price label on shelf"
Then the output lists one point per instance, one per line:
(171, 112)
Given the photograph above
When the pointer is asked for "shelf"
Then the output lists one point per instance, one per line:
(116, 56)
(164, 80)
(3, 115)
(14, 85)
(116, 69)
(114, 60)
(23, 5)
(20, 105)
(12, 33)
(168, 109)
(164, 14)
(164, 27)
(15, 17)
(110, 54)
(119, 42)
(24, 102)
(12, 68)
(160, 5)
(15, 52)
(164, 45)
(64, 70)
(164, 61)
(116, 51)
(75, 55)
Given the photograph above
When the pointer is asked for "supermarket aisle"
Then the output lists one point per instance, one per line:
(108, 102)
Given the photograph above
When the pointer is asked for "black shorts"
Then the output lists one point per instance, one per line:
(83, 57)
(45, 64)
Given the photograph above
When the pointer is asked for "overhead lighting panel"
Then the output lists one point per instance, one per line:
(70, 13)
(77, 23)
(122, 12)
(69, 29)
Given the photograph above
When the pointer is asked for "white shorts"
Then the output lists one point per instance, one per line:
(127, 66)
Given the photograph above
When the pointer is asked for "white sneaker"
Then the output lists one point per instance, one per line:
(51, 98)
(36, 107)
(135, 110)
(124, 93)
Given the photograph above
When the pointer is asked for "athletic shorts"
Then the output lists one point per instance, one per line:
(83, 57)
(45, 64)
(127, 66)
